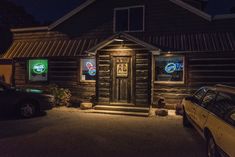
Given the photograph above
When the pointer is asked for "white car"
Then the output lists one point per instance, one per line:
(211, 110)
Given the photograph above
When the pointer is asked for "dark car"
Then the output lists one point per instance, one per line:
(23, 102)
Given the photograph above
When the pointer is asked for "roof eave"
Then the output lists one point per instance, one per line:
(29, 29)
(192, 9)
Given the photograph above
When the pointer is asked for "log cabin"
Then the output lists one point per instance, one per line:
(127, 53)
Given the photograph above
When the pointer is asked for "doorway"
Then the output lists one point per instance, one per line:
(122, 80)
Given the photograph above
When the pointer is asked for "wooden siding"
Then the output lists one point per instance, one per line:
(64, 72)
(202, 69)
(141, 75)
(20, 73)
(160, 16)
(103, 76)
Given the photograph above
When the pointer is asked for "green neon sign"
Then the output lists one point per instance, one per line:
(38, 69)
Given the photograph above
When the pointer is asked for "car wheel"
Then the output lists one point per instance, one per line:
(27, 109)
(186, 122)
(212, 150)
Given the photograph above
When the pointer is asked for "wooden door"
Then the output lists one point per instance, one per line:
(122, 79)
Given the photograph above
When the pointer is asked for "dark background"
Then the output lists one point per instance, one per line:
(46, 11)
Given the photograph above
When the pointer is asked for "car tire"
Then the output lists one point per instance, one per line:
(27, 109)
(186, 122)
(212, 150)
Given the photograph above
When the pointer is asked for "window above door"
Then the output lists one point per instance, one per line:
(129, 19)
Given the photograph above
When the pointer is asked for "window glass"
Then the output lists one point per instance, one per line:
(38, 70)
(209, 98)
(88, 70)
(169, 68)
(224, 104)
(198, 95)
(129, 19)
(136, 18)
(121, 20)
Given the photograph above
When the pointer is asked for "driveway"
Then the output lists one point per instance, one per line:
(74, 133)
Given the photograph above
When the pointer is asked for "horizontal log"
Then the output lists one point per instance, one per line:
(142, 66)
(142, 61)
(104, 65)
(142, 73)
(142, 79)
(104, 94)
(103, 99)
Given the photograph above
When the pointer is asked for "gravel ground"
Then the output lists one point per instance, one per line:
(66, 132)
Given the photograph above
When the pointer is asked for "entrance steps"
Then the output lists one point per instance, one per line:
(122, 110)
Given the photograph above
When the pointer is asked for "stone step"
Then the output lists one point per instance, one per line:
(123, 108)
(141, 114)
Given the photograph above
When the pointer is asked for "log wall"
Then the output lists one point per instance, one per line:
(201, 69)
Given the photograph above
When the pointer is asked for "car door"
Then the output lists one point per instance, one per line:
(223, 127)
(192, 105)
(202, 113)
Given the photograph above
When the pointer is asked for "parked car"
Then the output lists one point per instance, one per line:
(211, 110)
(23, 102)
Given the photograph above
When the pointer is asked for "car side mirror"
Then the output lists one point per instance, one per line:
(190, 98)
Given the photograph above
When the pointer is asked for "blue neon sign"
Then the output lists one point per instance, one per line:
(172, 67)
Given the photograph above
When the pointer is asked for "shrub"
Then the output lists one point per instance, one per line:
(62, 96)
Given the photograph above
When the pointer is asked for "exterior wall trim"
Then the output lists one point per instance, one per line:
(29, 29)
(192, 9)
(152, 48)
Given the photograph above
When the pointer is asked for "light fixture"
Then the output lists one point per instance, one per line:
(118, 38)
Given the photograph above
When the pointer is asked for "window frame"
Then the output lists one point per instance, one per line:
(169, 82)
(80, 75)
(128, 8)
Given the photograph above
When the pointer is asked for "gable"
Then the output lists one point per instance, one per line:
(89, 2)
(161, 15)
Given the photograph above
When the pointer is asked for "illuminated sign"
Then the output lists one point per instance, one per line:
(38, 69)
(91, 68)
(172, 67)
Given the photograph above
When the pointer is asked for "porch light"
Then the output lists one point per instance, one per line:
(118, 39)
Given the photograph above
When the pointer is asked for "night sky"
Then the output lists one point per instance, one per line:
(46, 11)
(50, 10)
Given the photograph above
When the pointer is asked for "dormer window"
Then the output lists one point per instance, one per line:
(129, 19)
